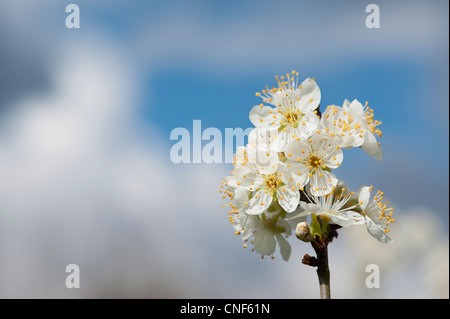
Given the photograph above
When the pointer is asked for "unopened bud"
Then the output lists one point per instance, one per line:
(302, 232)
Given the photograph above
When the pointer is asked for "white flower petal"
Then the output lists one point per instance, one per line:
(309, 96)
(311, 208)
(307, 125)
(356, 140)
(299, 215)
(286, 135)
(347, 218)
(264, 242)
(298, 174)
(286, 225)
(376, 231)
(240, 157)
(371, 147)
(322, 185)
(259, 202)
(356, 109)
(297, 149)
(241, 196)
(285, 248)
(246, 224)
(346, 104)
(335, 157)
(288, 198)
(363, 197)
(242, 177)
(266, 161)
(262, 116)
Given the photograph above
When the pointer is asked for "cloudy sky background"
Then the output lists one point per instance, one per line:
(85, 121)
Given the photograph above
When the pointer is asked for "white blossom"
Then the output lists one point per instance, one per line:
(293, 114)
(376, 213)
(311, 160)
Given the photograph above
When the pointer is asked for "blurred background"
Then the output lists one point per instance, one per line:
(85, 120)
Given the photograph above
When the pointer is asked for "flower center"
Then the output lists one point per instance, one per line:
(314, 161)
(272, 182)
(291, 117)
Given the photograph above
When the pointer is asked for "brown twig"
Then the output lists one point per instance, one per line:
(320, 246)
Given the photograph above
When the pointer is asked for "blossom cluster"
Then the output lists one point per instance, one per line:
(285, 174)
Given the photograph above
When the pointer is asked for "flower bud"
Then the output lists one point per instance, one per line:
(302, 232)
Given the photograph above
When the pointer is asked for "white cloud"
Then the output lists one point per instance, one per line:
(415, 265)
(81, 185)
(76, 179)
(306, 34)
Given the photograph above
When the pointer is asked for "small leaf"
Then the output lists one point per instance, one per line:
(316, 229)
